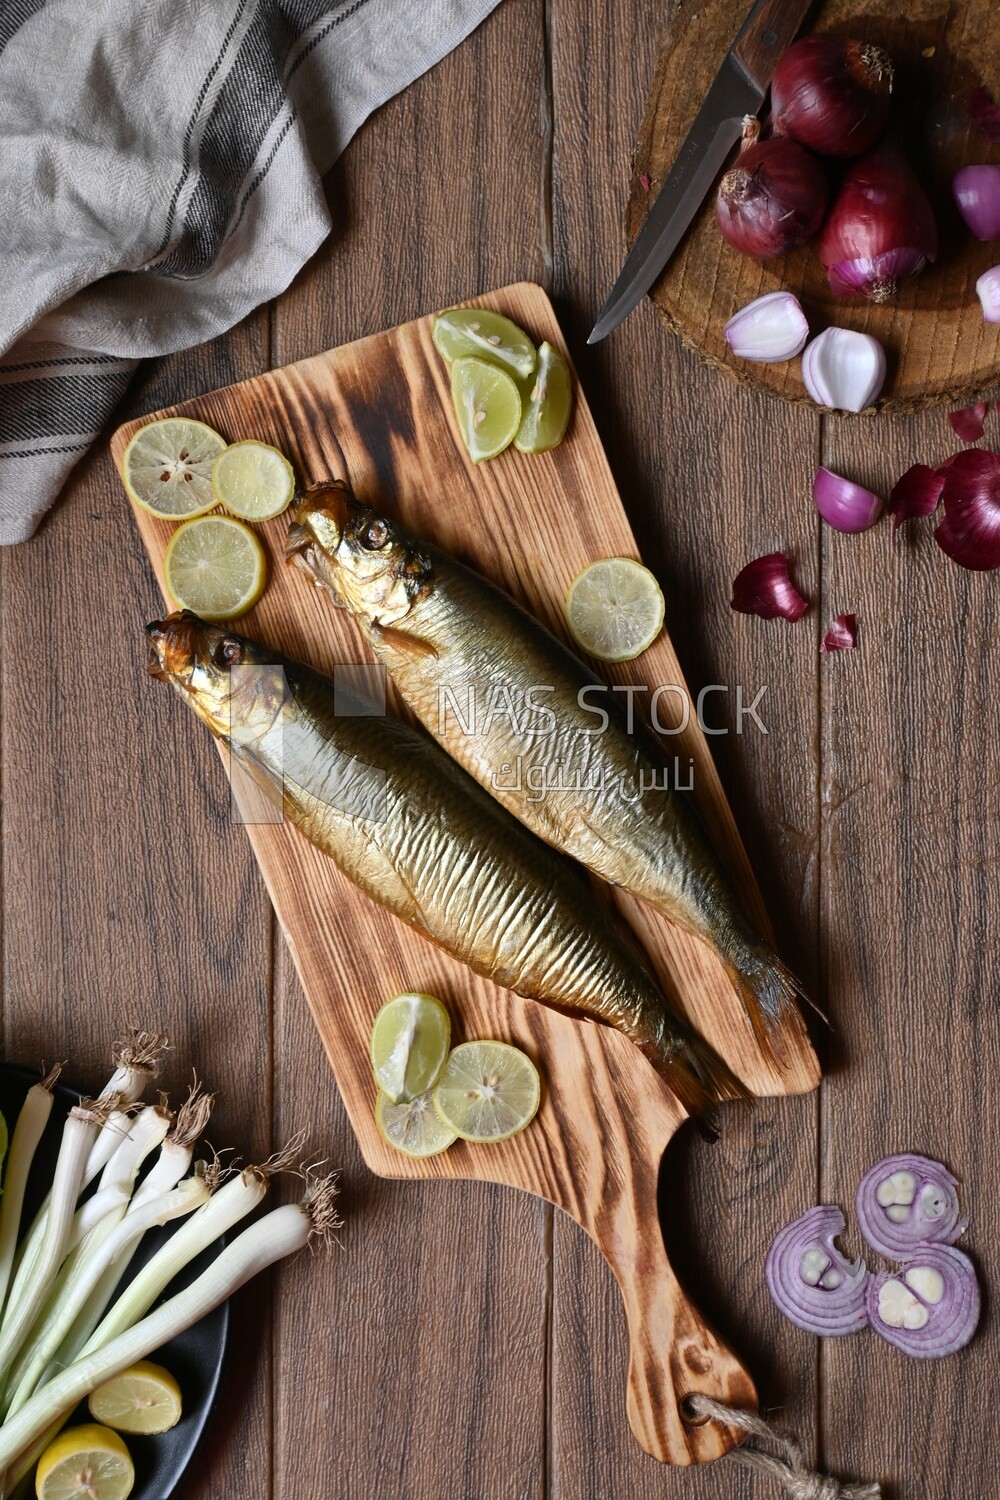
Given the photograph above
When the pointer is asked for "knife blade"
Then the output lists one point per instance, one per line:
(739, 89)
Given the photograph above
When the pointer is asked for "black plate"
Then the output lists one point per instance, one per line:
(196, 1359)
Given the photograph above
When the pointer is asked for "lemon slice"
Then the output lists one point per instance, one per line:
(548, 399)
(144, 1398)
(487, 405)
(614, 609)
(167, 467)
(412, 1127)
(488, 1091)
(253, 481)
(463, 331)
(410, 1041)
(215, 566)
(85, 1463)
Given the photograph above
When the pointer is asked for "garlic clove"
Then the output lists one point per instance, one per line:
(988, 292)
(843, 369)
(815, 1262)
(899, 1308)
(769, 329)
(927, 1283)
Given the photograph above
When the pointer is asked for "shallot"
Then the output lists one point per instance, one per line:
(844, 505)
(832, 95)
(881, 227)
(988, 292)
(905, 1201)
(916, 494)
(970, 494)
(930, 1309)
(769, 329)
(765, 588)
(843, 369)
(812, 1283)
(977, 193)
(773, 198)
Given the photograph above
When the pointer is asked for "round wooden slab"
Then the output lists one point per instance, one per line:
(939, 349)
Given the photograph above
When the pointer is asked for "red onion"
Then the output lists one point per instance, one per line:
(832, 95)
(970, 531)
(841, 635)
(843, 369)
(880, 230)
(812, 1283)
(985, 113)
(772, 199)
(967, 423)
(916, 494)
(843, 504)
(929, 1309)
(764, 588)
(988, 292)
(769, 329)
(907, 1201)
(977, 193)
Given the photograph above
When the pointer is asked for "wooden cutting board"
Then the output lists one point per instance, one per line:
(381, 409)
(939, 349)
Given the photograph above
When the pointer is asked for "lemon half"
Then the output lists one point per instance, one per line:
(167, 467)
(85, 1463)
(144, 1398)
(614, 609)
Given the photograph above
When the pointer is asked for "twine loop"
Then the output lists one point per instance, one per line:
(788, 1466)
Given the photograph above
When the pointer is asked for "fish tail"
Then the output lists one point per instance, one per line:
(770, 994)
(695, 1072)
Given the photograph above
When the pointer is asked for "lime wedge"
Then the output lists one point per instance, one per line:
(412, 1127)
(215, 566)
(410, 1041)
(487, 406)
(144, 1398)
(167, 467)
(253, 481)
(547, 399)
(614, 609)
(488, 1091)
(464, 331)
(85, 1463)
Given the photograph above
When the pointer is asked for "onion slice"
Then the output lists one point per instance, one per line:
(916, 494)
(985, 113)
(929, 1308)
(967, 422)
(841, 634)
(970, 531)
(843, 504)
(812, 1283)
(905, 1201)
(764, 587)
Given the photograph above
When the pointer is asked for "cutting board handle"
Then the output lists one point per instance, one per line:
(673, 1353)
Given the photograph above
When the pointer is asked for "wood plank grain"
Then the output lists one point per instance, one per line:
(125, 898)
(938, 345)
(911, 921)
(711, 477)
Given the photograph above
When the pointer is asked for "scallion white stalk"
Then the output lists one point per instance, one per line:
(280, 1233)
(78, 1134)
(174, 1204)
(90, 1213)
(31, 1122)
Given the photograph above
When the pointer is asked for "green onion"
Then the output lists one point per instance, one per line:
(31, 1122)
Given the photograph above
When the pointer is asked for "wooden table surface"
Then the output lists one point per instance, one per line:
(466, 1343)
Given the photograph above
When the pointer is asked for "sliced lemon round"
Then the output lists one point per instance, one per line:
(167, 467)
(487, 405)
(614, 609)
(546, 405)
(144, 1398)
(253, 480)
(488, 1091)
(413, 1126)
(85, 1463)
(410, 1041)
(215, 566)
(463, 331)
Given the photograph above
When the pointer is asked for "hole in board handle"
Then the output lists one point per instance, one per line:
(689, 1414)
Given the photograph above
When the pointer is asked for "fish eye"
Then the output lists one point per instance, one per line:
(374, 536)
(227, 652)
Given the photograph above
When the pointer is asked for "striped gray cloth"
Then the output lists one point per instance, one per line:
(160, 165)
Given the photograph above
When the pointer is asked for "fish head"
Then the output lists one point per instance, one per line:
(365, 561)
(198, 659)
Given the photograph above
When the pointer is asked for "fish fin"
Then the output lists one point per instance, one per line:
(770, 994)
(695, 1072)
(403, 640)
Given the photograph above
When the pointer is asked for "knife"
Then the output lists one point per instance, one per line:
(739, 89)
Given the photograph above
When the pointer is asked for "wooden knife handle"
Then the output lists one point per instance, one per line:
(673, 1352)
(766, 34)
